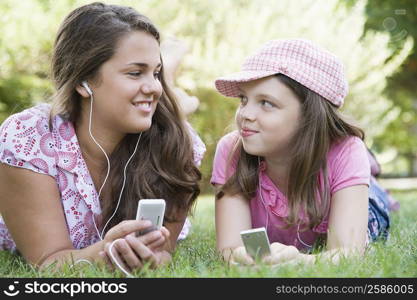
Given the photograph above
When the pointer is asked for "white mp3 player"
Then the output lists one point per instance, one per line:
(256, 242)
(152, 210)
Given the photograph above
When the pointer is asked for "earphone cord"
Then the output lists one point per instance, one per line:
(267, 214)
(117, 206)
(299, 238)
(262, 198)
(118, 202)
(104, 182)
(123, 185)
(101, 148)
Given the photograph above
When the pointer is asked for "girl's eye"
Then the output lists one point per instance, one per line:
(136, 74)
(243, 100)
(266, 103)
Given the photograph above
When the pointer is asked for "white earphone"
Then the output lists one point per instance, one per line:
(267, 213)
(90, 92)
(85, 85)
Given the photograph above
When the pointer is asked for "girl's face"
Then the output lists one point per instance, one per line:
(268, 117)
(128, 87)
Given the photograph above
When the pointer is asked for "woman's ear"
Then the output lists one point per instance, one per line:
(83, 90)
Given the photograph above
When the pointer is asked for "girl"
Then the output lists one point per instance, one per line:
(294, 166)
(72, 173)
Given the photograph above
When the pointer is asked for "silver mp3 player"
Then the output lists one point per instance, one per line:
(152, 210)
(256, 242)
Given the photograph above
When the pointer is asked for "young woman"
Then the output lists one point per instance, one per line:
(71, 174)
(294, 166)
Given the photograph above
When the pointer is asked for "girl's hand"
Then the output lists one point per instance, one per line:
(239, 256)
(281, 253)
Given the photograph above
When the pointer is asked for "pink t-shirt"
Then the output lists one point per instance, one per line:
(26, 141)
(347, 164)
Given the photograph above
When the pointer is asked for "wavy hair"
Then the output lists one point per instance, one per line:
(163, 166)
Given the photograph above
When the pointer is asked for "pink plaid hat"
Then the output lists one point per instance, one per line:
(301, 60)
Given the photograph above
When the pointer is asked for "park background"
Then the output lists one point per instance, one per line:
(376, 40)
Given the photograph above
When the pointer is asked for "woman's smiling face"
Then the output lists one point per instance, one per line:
(128, 87)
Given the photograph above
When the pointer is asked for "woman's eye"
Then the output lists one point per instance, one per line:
(266, 103)
(157, 75)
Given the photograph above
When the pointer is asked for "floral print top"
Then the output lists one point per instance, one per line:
(27, 141)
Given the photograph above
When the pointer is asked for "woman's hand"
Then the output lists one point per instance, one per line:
(280, 254)
(133, 252)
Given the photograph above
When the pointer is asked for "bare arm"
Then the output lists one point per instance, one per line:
(31, 208)
(232, 216)
(348, 222)
(346, 233)
(174, 229)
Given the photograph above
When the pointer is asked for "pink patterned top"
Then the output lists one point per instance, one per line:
(26, 141)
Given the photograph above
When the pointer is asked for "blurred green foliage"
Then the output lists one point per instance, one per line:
(399, 20)
(220, 33)
(27, 30)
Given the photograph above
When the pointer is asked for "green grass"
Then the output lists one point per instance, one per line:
(196, 256)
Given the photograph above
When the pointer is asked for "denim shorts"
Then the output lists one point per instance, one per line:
(378, 219)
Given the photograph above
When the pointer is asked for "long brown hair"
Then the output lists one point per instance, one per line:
(320, 126)
(163, 166)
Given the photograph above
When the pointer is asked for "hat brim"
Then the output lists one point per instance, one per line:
(229, 85)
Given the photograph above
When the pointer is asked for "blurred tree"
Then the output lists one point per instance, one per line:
(221, 34)
(399, 20)
(27, 31)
